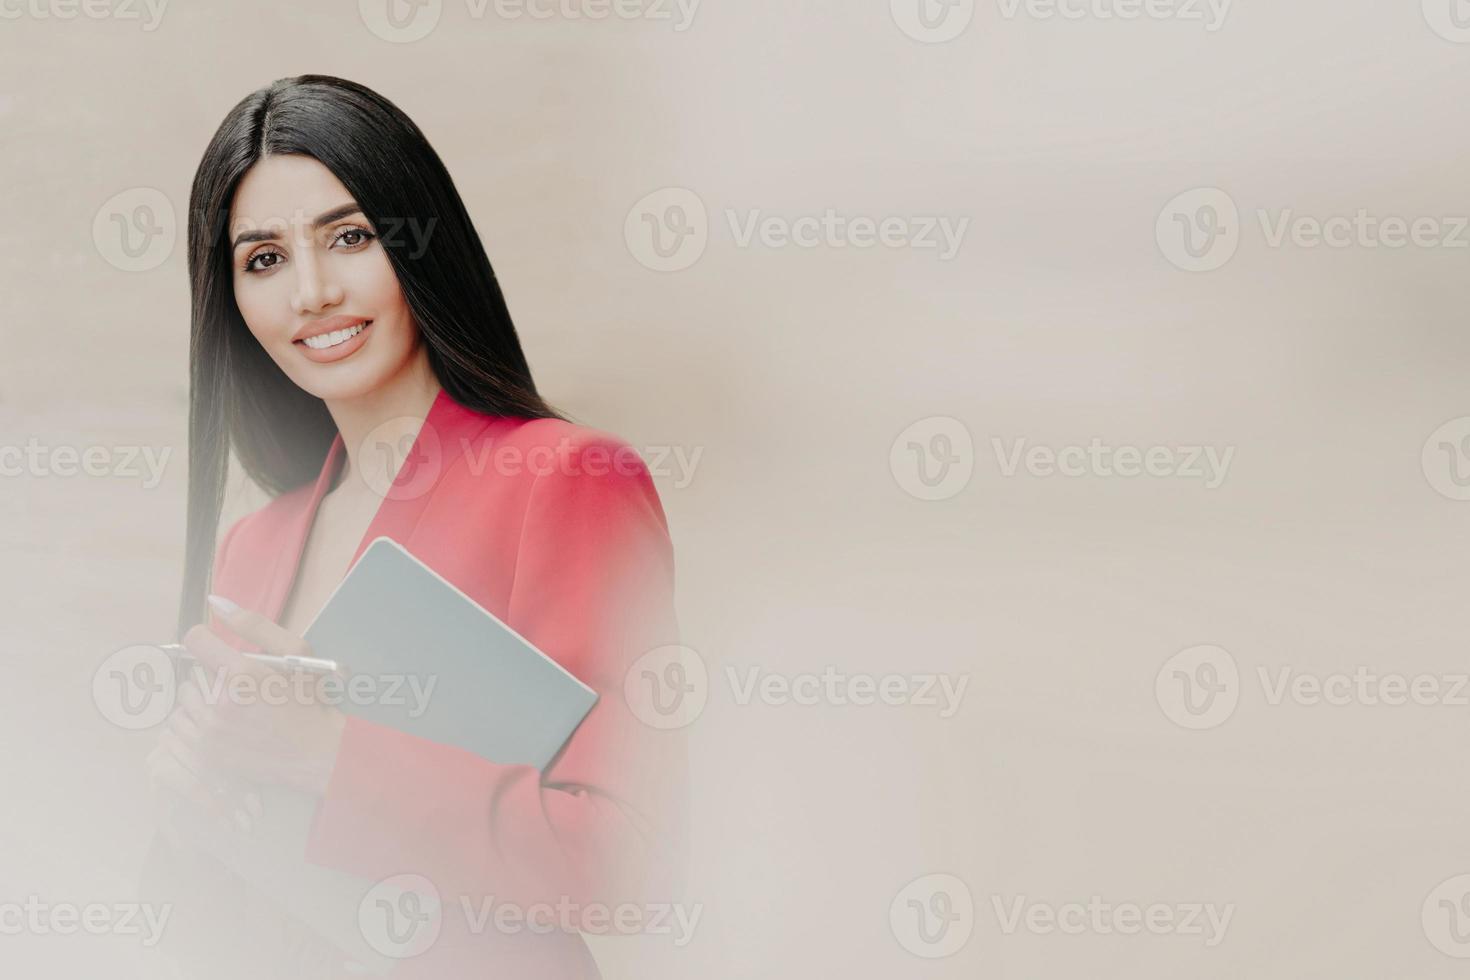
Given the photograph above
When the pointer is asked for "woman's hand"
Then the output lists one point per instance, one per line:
(244, 718)
(185, 793)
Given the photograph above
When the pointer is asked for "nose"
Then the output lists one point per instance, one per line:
(316, 289)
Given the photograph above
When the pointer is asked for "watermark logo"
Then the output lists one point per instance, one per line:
(1362, 229)
(91, 9)
(1363, 687)
(1450, 19)
(667, 687)
(402, 458)
(668, 230)
(400, 917)
(39, 461)
(830, 228)
(933, 459)
(835, 688)
(135, 687)
(1446, 917)
(135, 229)
(40, 918)
(675, 920)
(1199, 230)
(932, 21)
(1199, 687)
(1210, 13)
(414, 693)
(403, 916)
(404, 21)
(400, 21)
(681, 12)
(1208, 464)
(1204, 920)
(1445, 459)
(933, 916)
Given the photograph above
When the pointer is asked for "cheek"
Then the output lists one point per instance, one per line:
(265, 308)
(373, 285)
(373, 288)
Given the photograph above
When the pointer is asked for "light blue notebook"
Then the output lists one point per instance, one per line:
(432, 662)
(495, 695)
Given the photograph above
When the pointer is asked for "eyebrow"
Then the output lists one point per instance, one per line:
(325, 218)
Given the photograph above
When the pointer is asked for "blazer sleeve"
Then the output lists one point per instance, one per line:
(593, 588)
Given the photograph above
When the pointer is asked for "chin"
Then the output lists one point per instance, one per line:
(341, 382)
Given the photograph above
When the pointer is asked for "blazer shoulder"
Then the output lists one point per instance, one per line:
(560, 434)
(531, 448)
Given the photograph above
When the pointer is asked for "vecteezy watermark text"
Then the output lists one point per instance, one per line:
(1208, 464)
(839, 689)
(669, 229)
(934, 459)
(1201, 230)
(402, 916)
(401, 22)
(1210, 13)
(409, 691)
(101, 462)
(933, 916)
(1201, 686)
(669, 686)
(1205, 920)
(137, 688)
(833, 229)
(90, 9)
(404, 457)
(37, 917)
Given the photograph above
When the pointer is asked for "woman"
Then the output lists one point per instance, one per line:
(351, 345)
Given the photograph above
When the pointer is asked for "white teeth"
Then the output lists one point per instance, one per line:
(324, 340)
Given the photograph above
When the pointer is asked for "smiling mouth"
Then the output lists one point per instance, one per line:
(334, 338)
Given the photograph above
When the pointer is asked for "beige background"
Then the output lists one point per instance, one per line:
(793, 370)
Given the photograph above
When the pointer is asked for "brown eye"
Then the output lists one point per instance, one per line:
(257, 261)
(353, 238)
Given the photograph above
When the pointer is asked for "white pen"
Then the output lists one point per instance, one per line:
(313, 664)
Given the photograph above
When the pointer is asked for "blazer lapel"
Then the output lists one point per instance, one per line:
(448, 431)
(294, 534)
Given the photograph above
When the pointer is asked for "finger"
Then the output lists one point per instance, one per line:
(192, 762)
(190, 697)
(184, 727)
(169, 777)
(215, 655)
(260, 630)
(172, 776)
(176, 811)
(194, 718)
(185, 774)
(210, 741)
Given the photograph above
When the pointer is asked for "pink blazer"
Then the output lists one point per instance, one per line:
(558, 531)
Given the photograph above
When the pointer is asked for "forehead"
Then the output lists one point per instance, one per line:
(289, 188)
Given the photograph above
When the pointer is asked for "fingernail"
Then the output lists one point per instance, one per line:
(222, 605)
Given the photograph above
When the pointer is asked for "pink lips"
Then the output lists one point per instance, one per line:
(345, 349)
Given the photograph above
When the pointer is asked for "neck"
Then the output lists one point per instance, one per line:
(378, 427)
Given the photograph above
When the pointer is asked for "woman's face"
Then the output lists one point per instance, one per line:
(313, 283)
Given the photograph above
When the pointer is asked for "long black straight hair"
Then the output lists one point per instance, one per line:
(239, 398)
